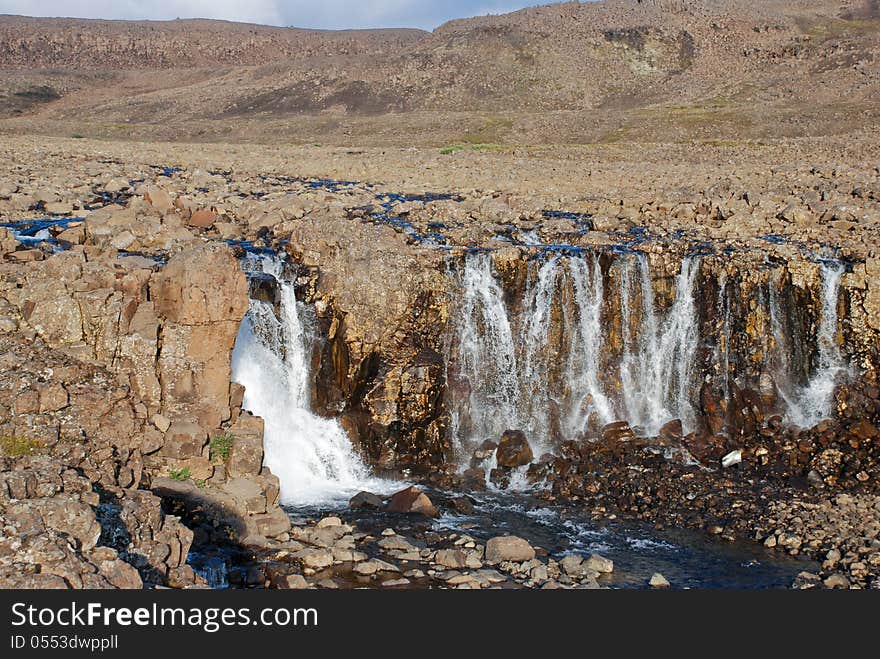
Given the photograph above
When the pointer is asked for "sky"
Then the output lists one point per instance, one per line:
(330, 14)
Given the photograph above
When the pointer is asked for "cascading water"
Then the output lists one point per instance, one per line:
(519, 373)
(581, 347)
(812, 401)
(657, 367)
(311, 455)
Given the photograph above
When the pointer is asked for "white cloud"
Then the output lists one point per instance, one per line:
(301, 13)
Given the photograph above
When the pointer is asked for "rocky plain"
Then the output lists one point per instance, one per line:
(125, 444)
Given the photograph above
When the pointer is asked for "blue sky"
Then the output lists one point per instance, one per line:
(301, 13)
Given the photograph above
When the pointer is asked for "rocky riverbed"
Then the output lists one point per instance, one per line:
(126, 443)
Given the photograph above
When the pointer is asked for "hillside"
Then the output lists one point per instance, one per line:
(563, 73)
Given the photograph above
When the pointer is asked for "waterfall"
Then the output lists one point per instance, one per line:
(583, 365)
(517, 371)
(810, 402)
(311, 455)
(657, 365)
(487, 356)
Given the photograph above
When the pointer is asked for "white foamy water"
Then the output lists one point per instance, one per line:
(811, 402)
(311, 455)
(526, 367)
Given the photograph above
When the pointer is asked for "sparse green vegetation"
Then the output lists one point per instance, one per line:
(78, 136)
(220, 447)
(15, 446)
(183, 474)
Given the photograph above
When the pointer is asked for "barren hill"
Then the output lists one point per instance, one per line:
(564, 73)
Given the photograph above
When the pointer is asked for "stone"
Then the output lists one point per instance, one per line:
(597, 563)
(161, 422)
(184, 440)
(573, 565)
(27, 255)
(731, 459)
(412, 500)
(508, 548)
(806, 581)
(202, 219)
(366, 568)
(836, 581)
(246, 453)
(463, 505)
(396, 543)
(158, 199)
(328, 522)
(53, 397)
(451, 558)
(247, 493)
(658, 581)
(271, 523)
(120, 574)
(617, 432)
(200, 468)
(514, 449)
(672, 430)
(365, 501)
(317, 559)
(293, 582)
(392, 583)
(863, 429)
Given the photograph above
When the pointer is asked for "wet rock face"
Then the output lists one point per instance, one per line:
(514, 450)
(381, 310)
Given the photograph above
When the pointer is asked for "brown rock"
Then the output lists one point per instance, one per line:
(200, 286)
(53, 397)
(27, 255)
(184, 440)
(513, 449)
(158, 199)
(246, 454)
(202, 219)
(508, 548)
(617, 432)
(863, 430)
(365, 501)
(672, 430)
(412, 500)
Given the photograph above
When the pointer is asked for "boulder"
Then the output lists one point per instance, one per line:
(158, 199)
(617, 432)
(248, 494)
(202, 219)
(599, 564)
(658, 581)
(508, 548)
(246, 453)
(454, 559)
(184, 440)
(365, 501)
(412, 500)
(513, 449)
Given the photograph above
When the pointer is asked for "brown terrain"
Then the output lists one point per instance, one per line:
(744, 132)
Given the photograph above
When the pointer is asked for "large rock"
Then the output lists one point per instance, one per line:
(246, 453)
(158, 199)
(514, 450)
(184, 440)
(365, 501)
(200, 296)
(508, 548)
(412, 500)
(201, 286)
